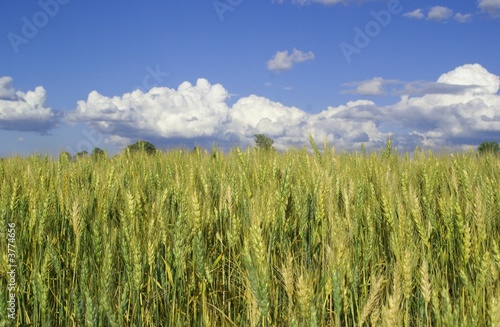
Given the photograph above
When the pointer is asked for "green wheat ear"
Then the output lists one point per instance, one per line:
(250, 237)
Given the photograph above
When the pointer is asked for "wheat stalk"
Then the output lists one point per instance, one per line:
(373, 301)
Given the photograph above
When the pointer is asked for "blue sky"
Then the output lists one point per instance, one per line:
(217, 72)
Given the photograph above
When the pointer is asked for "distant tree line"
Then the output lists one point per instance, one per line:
(96, 154)
(99, 153)
(142, 146)
(261, 142)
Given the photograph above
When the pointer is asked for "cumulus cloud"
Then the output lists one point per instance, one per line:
(460, 108)
(416, 14)
(491, 7)
(283, 60)
(345, 126)
(7, 92)
(453, 118)
(27, 112)
(374, 86)
(475, 76)
(348, 126)
(188, 112)
(196, 111)
(463, 18)
(119, 141)
(377, 86)
(439, 13)
(419, 88)
(255, 115)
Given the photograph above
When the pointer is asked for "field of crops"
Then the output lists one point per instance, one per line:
(252, 238)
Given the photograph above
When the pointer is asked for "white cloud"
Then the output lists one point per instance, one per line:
(348, 126)
(299, 56)
(416, 14)
(463, 18)
(188, 112)
(7, 92)
(439, 13)
(283, 60)
(419, 88)
(490, 6)
(375, 86)
(119, 141)
(452, 118)
(21, 111)
(254, 115)
(473, 75)
(460, 108)
(280, 62)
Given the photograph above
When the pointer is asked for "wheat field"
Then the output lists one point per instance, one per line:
(253, 238)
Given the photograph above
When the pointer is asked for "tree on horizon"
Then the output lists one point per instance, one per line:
(142, 145)
(263, 142)
(488, 147)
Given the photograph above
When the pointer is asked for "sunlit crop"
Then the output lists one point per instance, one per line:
(254, 238)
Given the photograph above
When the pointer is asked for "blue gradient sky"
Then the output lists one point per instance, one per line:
(112, 48)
